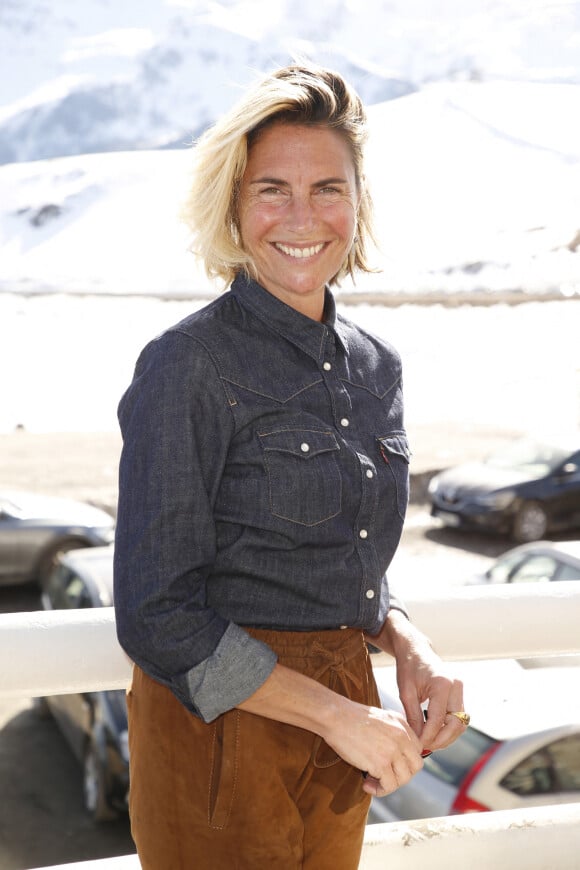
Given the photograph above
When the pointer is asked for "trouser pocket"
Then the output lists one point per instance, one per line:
(223, 767)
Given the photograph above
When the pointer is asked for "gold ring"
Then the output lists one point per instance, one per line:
(463, 717)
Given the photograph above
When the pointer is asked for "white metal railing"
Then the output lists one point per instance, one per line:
(61, 652)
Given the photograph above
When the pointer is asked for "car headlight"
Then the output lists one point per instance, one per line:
(498, 500)
(433, 485)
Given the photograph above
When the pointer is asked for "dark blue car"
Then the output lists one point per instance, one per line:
(527, 489)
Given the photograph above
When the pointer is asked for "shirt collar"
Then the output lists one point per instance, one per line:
(307, 334)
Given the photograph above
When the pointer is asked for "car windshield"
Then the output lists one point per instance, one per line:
(533, 457)
(454, 763)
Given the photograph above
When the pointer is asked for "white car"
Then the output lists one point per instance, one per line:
(522, 748)
(540, 562)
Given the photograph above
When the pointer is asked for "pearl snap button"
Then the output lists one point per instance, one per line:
(370, 593)
(345, 422)
(363, 533)
(369, 473)
(305, 447)
(327, 366)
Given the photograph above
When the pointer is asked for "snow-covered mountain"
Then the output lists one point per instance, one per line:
(476, 187)
(474, 156)
(79, 76)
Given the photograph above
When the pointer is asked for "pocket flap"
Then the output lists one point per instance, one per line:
(303, 443)
(396, 443)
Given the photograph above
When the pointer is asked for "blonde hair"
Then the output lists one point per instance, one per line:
(301, 93)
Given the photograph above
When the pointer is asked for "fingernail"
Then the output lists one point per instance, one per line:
(426, 753)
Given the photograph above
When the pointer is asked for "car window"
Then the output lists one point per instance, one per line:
(500, 571)
(536, 569)
(568, 572)
(554, 768)
(56, 587)
(453, 764)
(76, 593)
(66, 590)
(533, 457)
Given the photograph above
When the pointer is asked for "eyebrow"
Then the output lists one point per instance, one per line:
(280, 182)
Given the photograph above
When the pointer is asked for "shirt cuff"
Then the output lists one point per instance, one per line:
(239, 666)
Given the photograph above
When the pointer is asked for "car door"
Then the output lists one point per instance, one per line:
(67, 590)
(565, 506)
(550, 775)
(19, 544)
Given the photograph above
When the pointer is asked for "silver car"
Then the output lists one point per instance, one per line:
(34, 529)
(521, 750)
(540, 562)
(93, 723)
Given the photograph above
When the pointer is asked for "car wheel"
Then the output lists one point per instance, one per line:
(531, 522)
(94, 786)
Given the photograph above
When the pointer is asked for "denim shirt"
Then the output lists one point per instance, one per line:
(263, 482)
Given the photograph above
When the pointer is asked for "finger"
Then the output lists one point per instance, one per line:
(380, 787)
(373, 786)
(415, 717)
(397, 775)
(452, 729)
(452, 726)
(439, 731)
(434, 722)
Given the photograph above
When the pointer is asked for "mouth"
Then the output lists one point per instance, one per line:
(299, 253)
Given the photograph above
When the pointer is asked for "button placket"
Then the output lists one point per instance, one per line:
(340, 397)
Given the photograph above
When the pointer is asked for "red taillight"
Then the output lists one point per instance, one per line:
(463, 803)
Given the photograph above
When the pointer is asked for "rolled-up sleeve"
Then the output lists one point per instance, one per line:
(177, 425)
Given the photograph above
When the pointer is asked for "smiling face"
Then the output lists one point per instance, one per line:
(297, 211)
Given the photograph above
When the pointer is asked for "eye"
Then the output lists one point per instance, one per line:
(271, 194)
(329, 194)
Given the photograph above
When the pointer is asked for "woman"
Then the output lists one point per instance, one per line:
(263, 485)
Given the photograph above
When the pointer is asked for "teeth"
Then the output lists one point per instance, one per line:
(300, 253)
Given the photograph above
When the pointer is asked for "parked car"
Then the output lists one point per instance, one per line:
(522, 748)
(525, 489)
(539, 562)
(34, 529)
(93, 723)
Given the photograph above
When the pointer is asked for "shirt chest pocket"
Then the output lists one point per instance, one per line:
(304, 481)
(396, 454)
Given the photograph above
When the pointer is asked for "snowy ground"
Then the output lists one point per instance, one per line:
(476, 188)
(66, 360)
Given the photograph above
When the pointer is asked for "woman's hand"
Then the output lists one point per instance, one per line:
(422, 677)
(380, 743)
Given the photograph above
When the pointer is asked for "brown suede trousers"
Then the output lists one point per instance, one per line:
(244, 791)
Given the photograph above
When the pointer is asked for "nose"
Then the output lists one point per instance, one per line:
(300, 216)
